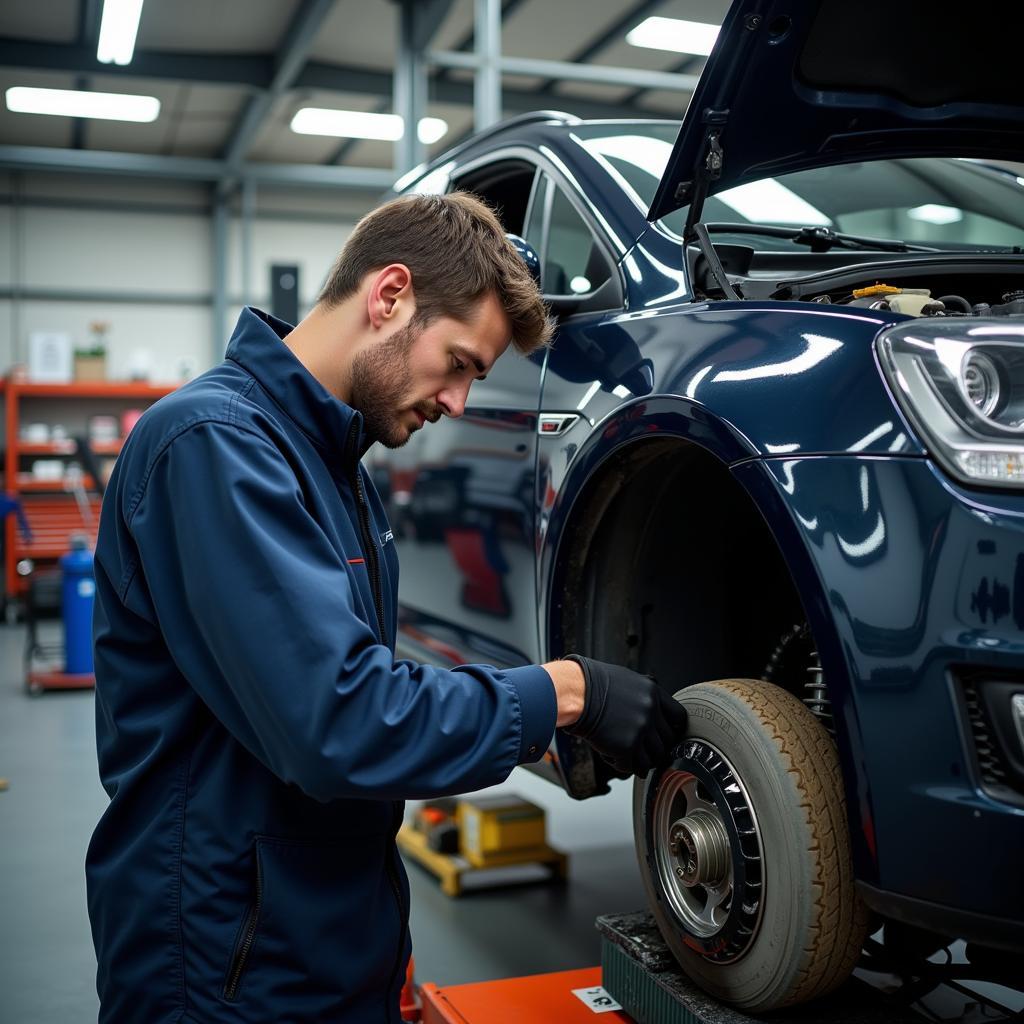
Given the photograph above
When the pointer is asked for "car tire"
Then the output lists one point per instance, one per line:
(744, 849)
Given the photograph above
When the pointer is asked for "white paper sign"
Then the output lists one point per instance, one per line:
(49, 357)
(596, 998)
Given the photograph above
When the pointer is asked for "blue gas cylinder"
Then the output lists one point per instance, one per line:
(78, 587)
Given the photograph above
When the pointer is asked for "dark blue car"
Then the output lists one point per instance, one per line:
(775, 458)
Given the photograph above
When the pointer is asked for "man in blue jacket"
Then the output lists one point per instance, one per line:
(256, 734)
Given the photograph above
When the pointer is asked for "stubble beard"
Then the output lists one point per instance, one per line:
(380, 382)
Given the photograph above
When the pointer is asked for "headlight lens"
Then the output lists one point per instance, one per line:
(962, 386)
(981, 381)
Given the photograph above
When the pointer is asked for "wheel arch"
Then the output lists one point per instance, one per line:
(732, 573)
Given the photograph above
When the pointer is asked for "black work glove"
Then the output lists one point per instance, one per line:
(627, 718)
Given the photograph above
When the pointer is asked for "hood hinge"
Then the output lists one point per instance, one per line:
(708, 169)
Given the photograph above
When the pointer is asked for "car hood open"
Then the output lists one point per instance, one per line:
(795, 84)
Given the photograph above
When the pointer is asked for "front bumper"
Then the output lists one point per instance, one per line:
(915, 592)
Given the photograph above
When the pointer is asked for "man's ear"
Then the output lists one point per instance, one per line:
(390, 290)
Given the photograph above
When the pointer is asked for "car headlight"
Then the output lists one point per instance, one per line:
(961, 384)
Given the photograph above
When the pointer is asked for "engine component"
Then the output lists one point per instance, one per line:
(912, 301)
(955, 300)
(1012, 305)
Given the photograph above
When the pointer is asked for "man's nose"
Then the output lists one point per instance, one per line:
(453, 401)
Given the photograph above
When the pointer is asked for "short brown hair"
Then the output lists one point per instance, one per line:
(457, 252)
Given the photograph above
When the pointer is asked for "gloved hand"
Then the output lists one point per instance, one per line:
(627, 718)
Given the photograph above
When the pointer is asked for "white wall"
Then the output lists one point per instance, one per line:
(312, 247)
(76, 263)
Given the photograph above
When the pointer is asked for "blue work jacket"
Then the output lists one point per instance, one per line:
(256, 734)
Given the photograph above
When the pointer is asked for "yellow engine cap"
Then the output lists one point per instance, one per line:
(876, 289)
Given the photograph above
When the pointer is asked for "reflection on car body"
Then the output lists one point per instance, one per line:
(789, 446)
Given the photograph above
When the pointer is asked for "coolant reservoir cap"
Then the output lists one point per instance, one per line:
(876, 289)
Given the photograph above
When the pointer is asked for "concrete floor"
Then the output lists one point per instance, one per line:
(47, 967)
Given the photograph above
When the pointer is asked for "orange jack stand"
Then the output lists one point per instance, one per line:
(39, 681)
(540, 999)
(408, 1005)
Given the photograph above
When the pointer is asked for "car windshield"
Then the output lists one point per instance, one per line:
(945, 203)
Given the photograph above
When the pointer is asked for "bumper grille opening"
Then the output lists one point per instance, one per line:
(986, 706)
(990, 762)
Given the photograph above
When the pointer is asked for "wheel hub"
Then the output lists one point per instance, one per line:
(700, 843)
(706, 851)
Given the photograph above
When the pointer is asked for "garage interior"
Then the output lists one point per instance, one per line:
(130, 249)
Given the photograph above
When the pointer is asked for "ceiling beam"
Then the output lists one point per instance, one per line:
(288, 62)
(564, 71)
(691, 64)
(91, 161)
(251, 71)
(613, 33)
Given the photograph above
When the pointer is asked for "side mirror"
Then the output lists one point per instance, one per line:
(528, 254)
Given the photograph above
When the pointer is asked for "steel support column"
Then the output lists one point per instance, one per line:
(410, 99)
(17, 271)
(487, 88)
(219, 247)
(245, 238)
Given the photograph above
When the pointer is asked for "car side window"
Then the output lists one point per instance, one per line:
(533, 232)
(505, 186)
(574, 263)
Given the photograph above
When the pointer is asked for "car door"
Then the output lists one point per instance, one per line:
(593, 364)
(461, 493)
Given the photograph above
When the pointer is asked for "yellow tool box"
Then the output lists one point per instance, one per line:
(492, 826)
(493, 832)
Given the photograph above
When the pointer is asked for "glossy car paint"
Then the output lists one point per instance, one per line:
(888, 557)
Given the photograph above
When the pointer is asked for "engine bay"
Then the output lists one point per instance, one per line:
(954, 285)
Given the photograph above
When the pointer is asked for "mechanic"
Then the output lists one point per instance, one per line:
(256, 734)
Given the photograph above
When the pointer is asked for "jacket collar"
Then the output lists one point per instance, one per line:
(257, 346)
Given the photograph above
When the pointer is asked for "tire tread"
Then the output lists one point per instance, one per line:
(839, 918)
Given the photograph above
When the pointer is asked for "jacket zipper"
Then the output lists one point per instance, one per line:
(372, 555)
(248, 938)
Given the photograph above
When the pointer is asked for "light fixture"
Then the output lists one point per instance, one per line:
(674, 34)
(358, 124)
(431, 130)
(935, 213)
(107, 106)
(118, 27)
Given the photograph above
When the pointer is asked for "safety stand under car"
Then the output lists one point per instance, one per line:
(638, 981)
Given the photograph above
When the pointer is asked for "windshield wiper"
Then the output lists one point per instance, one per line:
(821, 239)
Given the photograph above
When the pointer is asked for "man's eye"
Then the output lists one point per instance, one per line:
(459, 366)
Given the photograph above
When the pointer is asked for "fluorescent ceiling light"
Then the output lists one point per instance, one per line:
(770, 202)
(674, 34)
(108, 106)
(357, 124)
(118, 28)
(934, 213)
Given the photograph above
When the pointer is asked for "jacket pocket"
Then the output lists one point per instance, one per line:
(323, 930)
(246, 937)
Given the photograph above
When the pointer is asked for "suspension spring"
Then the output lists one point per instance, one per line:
(816, 693)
